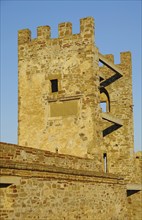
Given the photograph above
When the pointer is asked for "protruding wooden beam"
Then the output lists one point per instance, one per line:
(134, 186)
(117, 123)
(109, 64)
(111, 118)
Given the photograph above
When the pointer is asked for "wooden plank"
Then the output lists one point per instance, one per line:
(108, 117)
(110, 64)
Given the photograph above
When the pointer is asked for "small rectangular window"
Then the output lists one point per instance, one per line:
(54, 85)
(105, 162)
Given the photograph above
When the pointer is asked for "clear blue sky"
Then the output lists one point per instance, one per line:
(117, 29)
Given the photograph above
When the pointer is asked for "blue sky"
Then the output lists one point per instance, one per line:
(117, 29)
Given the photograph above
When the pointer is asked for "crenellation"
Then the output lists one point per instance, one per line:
(126, 62)
(43, 32)
(87, 28)
(125, 57)
(64, 29)
(86, 34)
(75, 131)
(24, 36)
(110, 57)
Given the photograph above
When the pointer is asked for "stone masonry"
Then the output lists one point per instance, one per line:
(74, 159)
(44, 185)
(67, 120)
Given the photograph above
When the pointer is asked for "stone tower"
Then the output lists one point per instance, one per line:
(119, 143)
(59, 90)
(79, 116)
(61, 86)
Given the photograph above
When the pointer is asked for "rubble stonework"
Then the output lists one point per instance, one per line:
(45, 185)
(72, 144)
(67, 120)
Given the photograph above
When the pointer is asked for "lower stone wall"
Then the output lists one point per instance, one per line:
(41, 195)
(35, 188)
(32, 157)
(135, 206)
(135, 197)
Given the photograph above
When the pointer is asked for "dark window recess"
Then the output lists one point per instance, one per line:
(4, 185)
(54, 85)
(131, 192)
(105, 162)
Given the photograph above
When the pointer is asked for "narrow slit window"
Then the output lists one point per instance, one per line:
(105, 162)
(54, 85)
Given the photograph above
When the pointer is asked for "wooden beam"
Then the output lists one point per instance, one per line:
(107, 116)
(134, 186)
(109, 64)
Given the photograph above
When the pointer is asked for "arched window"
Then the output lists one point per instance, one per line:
(104, 100)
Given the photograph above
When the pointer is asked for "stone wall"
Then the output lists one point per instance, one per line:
(134, 206)
(37, 193)
(18, 154)
(67, 120)
(135, 197)
(119, 144)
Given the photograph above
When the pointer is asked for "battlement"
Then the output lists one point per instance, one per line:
(125, 57)
(64, 30)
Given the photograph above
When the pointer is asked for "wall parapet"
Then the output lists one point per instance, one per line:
(64, 30)
(125, 58)
(20, 154)
(15, 157)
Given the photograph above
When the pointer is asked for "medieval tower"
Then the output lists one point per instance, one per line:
(58, 90)
(61, 87)
(61, 90)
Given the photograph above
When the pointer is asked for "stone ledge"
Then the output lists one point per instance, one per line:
(47, 168)
(20, 154)
(59, 176)
(61, 99)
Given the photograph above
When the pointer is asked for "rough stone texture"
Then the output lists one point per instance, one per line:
(134, 206)
(67, 120)
(135, 200)
(18, 154)
(119, 144)
(73, 138)
(42, 193)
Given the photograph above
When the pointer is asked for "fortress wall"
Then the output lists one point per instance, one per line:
(42, 180)
(37, 193)
(135, 200)
(18, 154)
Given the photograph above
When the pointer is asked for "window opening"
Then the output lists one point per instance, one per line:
(101, 64)
(105, 162)
(104, 100)
(54, 85)
(4, 185)
(103, 106)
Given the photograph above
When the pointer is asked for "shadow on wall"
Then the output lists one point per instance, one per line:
(111, 129)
